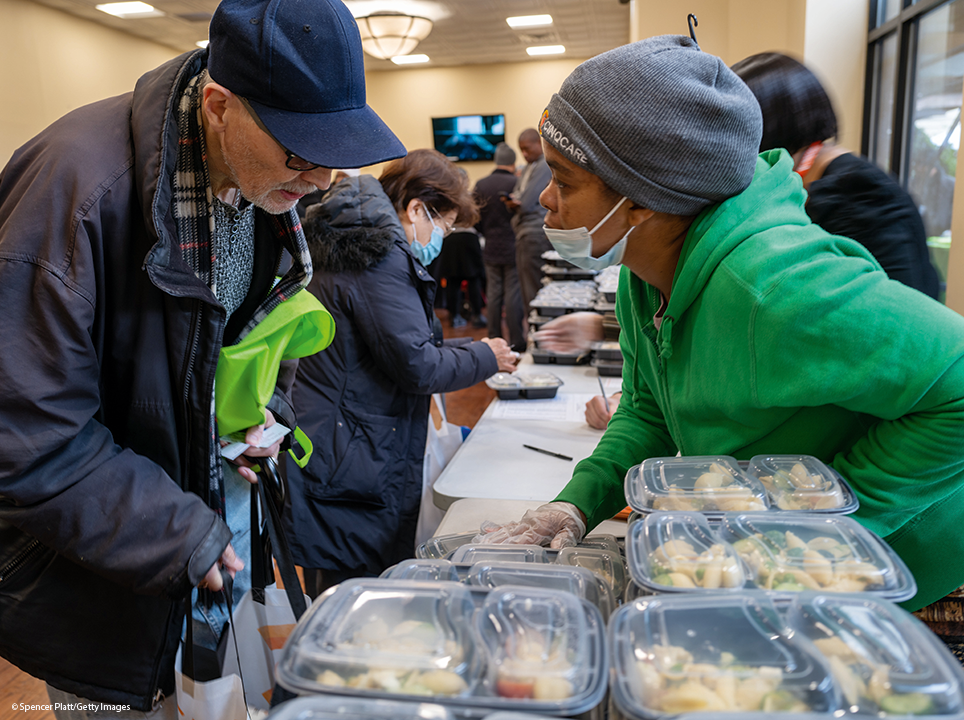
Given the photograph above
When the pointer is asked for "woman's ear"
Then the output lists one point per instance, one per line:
(639, 214)
(412, 210)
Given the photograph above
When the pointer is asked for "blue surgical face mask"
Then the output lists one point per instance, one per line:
(427, 253)
(576, 245)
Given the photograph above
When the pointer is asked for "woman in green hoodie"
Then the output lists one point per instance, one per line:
(746, 329)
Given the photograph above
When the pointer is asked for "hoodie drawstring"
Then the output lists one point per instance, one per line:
(666, 337)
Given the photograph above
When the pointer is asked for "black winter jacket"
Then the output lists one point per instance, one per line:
(364, 401)
(109, 349)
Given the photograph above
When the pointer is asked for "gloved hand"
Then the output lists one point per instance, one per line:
(556, 524)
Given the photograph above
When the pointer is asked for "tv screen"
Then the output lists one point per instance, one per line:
(468, 137)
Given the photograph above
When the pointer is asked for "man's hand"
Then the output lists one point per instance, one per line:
(510, 202)
(506, 356)
(230, 562)
(570, 333)
(253, 438)
(596, 414)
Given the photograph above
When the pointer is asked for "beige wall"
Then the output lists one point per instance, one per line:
(408, 99)
(54, 62)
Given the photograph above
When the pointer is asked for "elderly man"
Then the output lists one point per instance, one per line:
(138, 235)
(746, 329)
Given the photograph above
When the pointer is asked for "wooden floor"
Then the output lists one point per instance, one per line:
(464, 407)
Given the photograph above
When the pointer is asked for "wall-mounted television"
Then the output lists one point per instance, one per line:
(468, 137)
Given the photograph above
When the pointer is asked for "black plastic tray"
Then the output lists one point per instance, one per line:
(547, 357)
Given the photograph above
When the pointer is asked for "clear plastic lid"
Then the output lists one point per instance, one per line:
(674, 654)
(334, 707)
(441, 546)
(539, 380)
(545, 647)
(504, 381)
(601, 541)
(885, 661)
(566, 578)
(391, 636)
(791, 552)
(678, 552)
(423, 569)
(473, 553)
(701, 483)
(607, 564)
(798, 482)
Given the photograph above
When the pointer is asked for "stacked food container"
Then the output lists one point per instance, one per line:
(746, 592)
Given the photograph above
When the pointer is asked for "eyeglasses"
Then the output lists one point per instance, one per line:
(447, 227)
(293, 162)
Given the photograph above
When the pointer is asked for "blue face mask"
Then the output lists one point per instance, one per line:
(427, 253)
(575, 245)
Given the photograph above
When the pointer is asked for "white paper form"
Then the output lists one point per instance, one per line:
(561, 408)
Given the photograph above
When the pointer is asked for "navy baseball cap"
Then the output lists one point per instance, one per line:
(299, 64)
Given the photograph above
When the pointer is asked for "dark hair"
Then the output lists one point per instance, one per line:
(429, 176)
(796, 109)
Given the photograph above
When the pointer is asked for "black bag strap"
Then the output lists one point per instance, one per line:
(271, 490)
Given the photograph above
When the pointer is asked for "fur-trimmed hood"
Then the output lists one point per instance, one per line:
(353, 227)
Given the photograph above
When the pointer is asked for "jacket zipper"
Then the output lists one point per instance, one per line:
(20, 560)
(188, 368)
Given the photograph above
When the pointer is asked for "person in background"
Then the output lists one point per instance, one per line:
(364, 401)
(461, 261)
(744, 327)
(165, 215)
(847, 195)
(313, 198)
(495, 225)
(527, 221)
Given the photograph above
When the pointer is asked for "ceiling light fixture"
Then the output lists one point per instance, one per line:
(130, 10)
(525, 21)
(409, 59)
(546, 49)
(390, 34)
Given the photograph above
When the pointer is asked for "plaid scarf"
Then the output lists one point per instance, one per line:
(194, 216)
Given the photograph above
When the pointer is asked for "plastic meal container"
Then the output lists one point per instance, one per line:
(608, 368)
(533, 386)
(441, 546)
(606, 350)
(688, 484)
(801, 482)
(703, 483)
(548, 357)
(784, 554)
(334, 707)
(529, 650)
(823, 655)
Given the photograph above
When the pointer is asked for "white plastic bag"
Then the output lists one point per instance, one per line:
(443, 440)
(221, 699)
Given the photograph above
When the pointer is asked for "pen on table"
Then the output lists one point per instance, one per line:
(603, 391)
(548, 452)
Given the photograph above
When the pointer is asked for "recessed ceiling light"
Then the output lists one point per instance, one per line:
(409, 59)
(524, 21)
(202, 43)
(546, 49)
(128, 10)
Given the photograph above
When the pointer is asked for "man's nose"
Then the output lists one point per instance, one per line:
(319, 177)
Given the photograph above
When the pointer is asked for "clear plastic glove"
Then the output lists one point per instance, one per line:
(570, 333)
(557, 524)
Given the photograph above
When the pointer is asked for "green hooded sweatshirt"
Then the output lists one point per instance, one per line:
(781, 338)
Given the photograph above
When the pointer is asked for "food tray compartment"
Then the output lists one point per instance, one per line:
(578, 581)
(802, 483)
(544, 648)
(393, 637)
(424, 569)
(607, 350)
(544, 357)
(678, 552)
(441, 546)
(702, 483)
(673, 654)
(792, 552)
(608, 368)
(532, 386)
(481, 552)
(606, 564)
(885, 661)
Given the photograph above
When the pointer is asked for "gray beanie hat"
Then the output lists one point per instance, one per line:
(504, 155)
(659, 121)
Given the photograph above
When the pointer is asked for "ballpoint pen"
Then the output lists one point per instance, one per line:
(548, 452)
(603, 391)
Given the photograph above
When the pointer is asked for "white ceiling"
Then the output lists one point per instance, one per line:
(466, 31)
